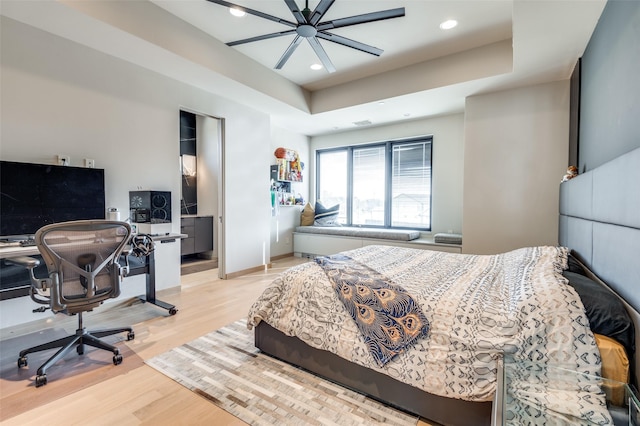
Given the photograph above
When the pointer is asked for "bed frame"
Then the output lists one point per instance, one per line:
(599, 221)
(369, 382)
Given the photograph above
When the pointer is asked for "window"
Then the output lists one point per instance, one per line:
(386, 184)
(332, 189)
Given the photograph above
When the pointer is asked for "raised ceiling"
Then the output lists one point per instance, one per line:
(423, 70)
(407, 40)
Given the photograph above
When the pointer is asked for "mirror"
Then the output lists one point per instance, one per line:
(188, 168)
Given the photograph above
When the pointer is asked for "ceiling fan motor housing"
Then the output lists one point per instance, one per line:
(306, 31)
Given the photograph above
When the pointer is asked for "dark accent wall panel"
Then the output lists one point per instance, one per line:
(574, 115)
(610, 86)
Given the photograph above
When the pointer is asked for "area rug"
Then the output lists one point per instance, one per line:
(225, 367)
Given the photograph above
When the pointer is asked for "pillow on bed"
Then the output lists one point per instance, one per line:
(615, 366)
(308, 215)
(326, 216)
(606, 313)
(574, 266)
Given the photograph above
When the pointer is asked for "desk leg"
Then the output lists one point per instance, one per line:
(151, 287)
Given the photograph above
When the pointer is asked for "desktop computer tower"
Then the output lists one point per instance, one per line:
(150, 211)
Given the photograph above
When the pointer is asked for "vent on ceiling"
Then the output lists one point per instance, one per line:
(362, 123)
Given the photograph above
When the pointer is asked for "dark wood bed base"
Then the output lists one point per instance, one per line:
(446, 411)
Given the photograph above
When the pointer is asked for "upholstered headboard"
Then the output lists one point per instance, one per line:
(600, 223)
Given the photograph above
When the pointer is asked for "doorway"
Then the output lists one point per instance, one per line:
(201, 147)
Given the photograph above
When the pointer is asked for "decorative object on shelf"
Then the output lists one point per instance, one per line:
(289, 165)
(286, 154)
(572, 171)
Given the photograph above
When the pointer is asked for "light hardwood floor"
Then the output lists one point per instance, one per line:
(89, 389)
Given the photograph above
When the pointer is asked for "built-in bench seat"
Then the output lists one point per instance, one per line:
(351, 231)
(311, 241)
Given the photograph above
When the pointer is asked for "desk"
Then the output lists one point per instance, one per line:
(148, 267)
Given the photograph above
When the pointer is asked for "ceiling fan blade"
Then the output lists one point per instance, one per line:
(322, 55)
(254, 12)
(319, 11)
(261, 37)
(350, 43)
(295, 10)
(287, 53)
(361, 19)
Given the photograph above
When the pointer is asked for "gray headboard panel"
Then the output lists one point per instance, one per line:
(600, 223)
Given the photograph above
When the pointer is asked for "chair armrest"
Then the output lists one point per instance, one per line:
(38, 286)
(24, 261)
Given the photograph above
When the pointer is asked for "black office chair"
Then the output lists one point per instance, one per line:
(82, 262)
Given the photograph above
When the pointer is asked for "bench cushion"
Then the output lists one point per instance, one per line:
(447, 238)
(347, 231)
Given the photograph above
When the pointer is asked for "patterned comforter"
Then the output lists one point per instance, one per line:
(477, 306)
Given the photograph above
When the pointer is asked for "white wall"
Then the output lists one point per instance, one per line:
(515, 154)
(287, 218)
(447, 155)
(59, 97)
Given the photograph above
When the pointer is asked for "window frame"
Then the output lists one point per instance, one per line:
(388, 173)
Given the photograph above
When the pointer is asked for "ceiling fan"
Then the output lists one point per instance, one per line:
(309, 27)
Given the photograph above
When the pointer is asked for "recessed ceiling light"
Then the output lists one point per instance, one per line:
(447, 25)
(236, 12)
(316, 67)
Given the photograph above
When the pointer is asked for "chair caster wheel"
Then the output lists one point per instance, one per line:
(173, 311)
(80, 349)
(117, 359)
(22, 362)
(41, 380)
(131, 335)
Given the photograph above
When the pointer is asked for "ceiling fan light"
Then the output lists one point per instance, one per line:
(237, 12)
(316, 67)
(447, 25)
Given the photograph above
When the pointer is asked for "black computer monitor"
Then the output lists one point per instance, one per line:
(34, 195)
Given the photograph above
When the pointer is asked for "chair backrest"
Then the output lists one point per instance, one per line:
(82, 262)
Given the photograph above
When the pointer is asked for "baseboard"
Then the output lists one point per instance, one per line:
(281, 256)
(247, 271)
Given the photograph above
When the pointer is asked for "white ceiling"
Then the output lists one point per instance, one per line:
(423, 71)
(407, 40)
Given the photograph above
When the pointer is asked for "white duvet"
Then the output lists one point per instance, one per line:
(477, 305)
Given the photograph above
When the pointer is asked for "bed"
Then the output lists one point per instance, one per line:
(531, 311)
